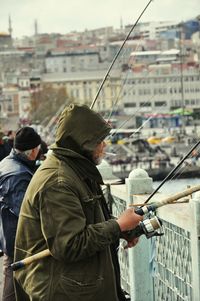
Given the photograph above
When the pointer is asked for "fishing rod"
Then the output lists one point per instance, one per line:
(170, 200)
(172, 172)
(148, 226)
(117, 54)
(22, 263)
(156, 225)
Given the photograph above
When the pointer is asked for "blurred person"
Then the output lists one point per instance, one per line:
(42, 154)
(5, 147)
(16, 171)
(9, 137)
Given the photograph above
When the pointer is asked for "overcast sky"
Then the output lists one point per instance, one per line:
(63, 16)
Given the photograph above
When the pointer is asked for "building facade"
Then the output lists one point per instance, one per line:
(162, 88)
(82, 87)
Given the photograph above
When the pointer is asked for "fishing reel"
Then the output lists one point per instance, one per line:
(148, 227)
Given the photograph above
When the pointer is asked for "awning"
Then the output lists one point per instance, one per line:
(181, 111)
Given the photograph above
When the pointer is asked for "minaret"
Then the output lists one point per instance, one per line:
(10, 26)
(121, 23)
(36, 27)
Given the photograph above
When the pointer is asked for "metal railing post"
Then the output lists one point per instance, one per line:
(141, 281)
(195, 246)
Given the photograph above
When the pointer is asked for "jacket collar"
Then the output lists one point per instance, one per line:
(86, 168)
(20, 157)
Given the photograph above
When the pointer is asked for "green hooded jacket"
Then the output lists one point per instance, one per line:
(64, 210)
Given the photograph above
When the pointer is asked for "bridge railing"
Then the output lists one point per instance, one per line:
(166, 267)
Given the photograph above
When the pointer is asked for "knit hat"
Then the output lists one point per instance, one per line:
(26, 138)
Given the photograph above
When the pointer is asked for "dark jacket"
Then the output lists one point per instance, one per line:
(64, 211)
(5, 149)
(15, 175)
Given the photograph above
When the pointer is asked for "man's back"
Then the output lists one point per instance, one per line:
(16, 171)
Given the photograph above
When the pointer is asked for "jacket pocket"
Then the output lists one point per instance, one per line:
(90, 207)
(75, 288)
(91, 199)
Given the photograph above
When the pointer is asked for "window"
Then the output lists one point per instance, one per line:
(9, 108)
(145, 104)
(130, 105)
(160, 103)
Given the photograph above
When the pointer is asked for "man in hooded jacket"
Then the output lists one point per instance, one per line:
(64, 210)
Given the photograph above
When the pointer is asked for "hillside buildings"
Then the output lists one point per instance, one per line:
(157, 70)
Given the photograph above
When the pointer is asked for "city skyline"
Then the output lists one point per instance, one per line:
(63, 16)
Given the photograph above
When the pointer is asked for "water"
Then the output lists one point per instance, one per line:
(174, 186)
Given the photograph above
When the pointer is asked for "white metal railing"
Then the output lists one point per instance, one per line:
(166, 267)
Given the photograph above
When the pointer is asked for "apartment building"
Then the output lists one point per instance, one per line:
(64, 62)
(82, 87)
(9, 107)
(161, 88)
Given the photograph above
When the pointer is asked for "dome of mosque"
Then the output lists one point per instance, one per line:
(4, 34)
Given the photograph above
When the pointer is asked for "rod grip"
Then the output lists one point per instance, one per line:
(28, 260)
(145, 209)
(17, 265)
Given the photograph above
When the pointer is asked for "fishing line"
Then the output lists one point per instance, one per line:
(124, 81)
(117, 98)
(168, 87)
(144, 103)
(117, 54)
(178, 173)
(177, 168)
(137, 111)
(182, 168)
(100, 88)
(172, 171)
(128, 72)
(130, 117)
(139, 128)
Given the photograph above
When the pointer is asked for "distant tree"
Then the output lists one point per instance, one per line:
(46, 102)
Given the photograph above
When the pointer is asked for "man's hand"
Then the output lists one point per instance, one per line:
(128, 220)
(131, 243)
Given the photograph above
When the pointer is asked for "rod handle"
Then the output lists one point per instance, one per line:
(28, 260)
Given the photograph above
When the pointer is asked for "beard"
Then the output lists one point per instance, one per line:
(98, 161)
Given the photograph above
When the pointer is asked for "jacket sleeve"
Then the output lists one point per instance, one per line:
(65, 228)
(13, 191)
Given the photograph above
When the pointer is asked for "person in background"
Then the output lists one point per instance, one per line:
(42, 154)
(10, 137)
(64, 210)
(5, 147)
(16, 171)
